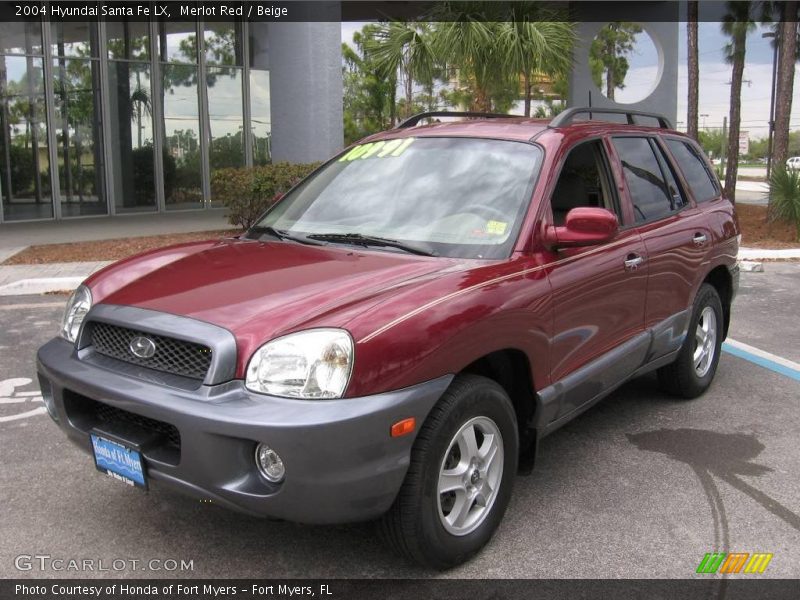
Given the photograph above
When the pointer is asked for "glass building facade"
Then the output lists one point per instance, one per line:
(104, 118)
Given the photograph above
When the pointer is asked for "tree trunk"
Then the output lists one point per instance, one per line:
(693, 68)
(481, 101)
(393, 102)
(526, 79)
(787, 52)
(62, 74)
(739, 40)
(611, 76)
(409, 89)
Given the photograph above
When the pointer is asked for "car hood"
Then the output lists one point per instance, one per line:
(262, 290)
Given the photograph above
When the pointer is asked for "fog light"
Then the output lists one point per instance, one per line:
(269, 463)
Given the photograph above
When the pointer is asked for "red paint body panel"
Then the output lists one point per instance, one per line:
(415, 318)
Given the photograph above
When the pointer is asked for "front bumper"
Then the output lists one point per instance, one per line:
(342, 465)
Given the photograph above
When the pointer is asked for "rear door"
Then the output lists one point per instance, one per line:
(674, 232)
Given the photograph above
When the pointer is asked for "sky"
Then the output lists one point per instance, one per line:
(715, 74)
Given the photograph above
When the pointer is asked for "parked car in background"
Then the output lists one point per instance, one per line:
(793, 164)
(396, 336)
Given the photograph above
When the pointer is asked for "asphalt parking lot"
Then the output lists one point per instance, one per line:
(640, 486)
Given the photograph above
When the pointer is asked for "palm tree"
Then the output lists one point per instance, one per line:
(469, 45)
(787, 33)
(608, 54)
(404, 47)
(736, 24)
(693, 68)
(140, 102)
(536, 46)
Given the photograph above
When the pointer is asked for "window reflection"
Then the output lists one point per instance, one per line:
(182, 173)
(79, 131)
(177, 42)
(260, 125)
(132, 155)
(78, 126)
(25, 172)
(225, 117)
(223, 43)
(128, 40)
(20, 38)
(78, 40)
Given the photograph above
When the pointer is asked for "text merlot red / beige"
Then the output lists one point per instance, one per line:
(63, 11)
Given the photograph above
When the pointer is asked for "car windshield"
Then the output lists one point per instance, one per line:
(456, 197)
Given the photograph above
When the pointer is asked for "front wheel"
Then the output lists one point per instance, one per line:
(693, 370)
(459, 482)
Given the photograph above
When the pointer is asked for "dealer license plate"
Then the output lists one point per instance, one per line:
(119, 461)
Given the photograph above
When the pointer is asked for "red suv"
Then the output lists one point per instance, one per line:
(398, 333)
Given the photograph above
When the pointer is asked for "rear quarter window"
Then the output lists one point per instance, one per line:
(700, 181)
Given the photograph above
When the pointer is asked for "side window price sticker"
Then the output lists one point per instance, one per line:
(380, 149)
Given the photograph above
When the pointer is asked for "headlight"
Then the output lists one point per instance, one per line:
(308, 364)
(77, 306)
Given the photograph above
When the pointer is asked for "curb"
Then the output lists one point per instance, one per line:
(768, 254)
(40, 285)
(748, 266)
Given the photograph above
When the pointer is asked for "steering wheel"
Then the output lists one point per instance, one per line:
(487, 211)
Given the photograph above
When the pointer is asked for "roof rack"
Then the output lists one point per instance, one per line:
(566, 117)
(413, 120)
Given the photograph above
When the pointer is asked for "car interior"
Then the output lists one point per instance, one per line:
(583, 182)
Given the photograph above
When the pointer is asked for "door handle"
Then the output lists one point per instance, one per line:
(633, 261)
(700, 239)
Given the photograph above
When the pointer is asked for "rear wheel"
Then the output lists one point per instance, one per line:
(458, 485)
(693, 370)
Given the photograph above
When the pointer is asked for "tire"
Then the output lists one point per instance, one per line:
(422, 524)
(684, 377)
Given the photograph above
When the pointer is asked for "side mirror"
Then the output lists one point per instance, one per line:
(584, 226)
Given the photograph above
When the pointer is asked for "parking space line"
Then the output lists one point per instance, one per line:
(762, 358)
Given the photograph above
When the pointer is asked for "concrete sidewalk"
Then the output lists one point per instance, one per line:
(39, 279)
(20, 235)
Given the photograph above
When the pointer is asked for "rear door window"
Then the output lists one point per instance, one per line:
(700, 181)
(653, 191)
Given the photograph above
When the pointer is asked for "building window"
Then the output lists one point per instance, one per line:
(24, 159)
(79, 127)
(131, 117)
(136, 115)
(181, 131)
(222, 43)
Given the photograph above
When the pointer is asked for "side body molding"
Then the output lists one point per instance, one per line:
(567, 398)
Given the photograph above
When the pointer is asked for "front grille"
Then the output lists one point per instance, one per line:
(171, 355)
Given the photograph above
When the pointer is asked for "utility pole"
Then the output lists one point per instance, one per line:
(776, 36)
(723, 153)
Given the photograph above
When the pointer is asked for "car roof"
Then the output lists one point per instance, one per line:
(513, 128)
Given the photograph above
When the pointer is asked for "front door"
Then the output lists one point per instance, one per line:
(598, 292)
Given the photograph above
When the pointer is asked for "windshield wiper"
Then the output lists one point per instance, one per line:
(281, 234)
(369, 240)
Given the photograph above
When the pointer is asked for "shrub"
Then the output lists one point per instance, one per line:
(144, 175)
(784, 197)
(23, 171)
(247, 193)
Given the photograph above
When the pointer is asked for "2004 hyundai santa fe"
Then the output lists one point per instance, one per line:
(396, 335)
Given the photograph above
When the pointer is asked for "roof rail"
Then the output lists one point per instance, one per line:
(413, 120)
(566, 117)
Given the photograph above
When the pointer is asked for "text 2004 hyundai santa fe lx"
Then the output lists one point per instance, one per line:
(398, 332)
